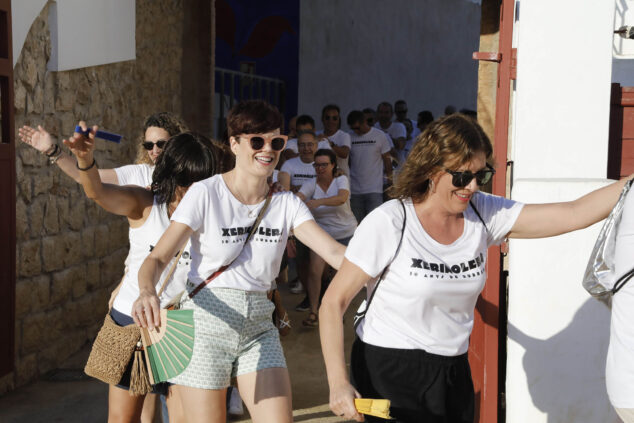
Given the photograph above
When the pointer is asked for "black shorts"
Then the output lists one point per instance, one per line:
(421, 387)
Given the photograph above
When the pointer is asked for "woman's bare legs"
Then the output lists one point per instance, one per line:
(202, 405)
(316, 270)
(174, 406)
(123, 407)
(267, 395)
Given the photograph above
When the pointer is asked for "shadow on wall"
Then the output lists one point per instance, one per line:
(566, 372)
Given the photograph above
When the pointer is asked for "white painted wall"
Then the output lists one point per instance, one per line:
(23, 13)
(357, 53)
(558, 335)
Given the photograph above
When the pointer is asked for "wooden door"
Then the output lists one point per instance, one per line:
(7, 194)
(487, 346)
(621, 144)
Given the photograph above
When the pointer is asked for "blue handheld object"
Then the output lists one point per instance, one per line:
(104, 135)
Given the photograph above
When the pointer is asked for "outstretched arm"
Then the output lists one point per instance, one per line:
(130, 201)
(544, 220)
(318, 240)
(41, 140)
(344, 287)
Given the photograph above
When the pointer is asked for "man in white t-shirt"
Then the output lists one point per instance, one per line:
(303, 123)
(369, 161)
(338, 140)
(296, 171)
(400, 111)
(395, 130)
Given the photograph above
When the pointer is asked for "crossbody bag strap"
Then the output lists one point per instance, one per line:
(360, 315)
(478, 214)
(171, 272)
(251, 232)
(622, 281)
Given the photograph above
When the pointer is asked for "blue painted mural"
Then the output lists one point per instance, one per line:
(262, 36)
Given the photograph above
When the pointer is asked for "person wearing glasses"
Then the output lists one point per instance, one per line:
(327, 196)
(338, 140)
(234, 333)
(157, 129)
(303, 123)
(431, 253)
(369, 162)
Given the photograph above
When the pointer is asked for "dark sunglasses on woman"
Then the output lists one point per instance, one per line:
(257, 141)
(462, 179)
(148, 145)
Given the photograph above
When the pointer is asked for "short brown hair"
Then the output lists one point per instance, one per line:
(449, 140)
(253, 117)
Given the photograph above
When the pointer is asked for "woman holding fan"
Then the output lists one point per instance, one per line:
(234, 334)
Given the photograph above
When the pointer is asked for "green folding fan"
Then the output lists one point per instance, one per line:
(169, 348)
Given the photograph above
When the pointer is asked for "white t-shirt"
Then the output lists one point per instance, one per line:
(338, 221)
(299, 171)
(366, 161)
(620, 362)
(395, 130)
(135, 174)
(341, 139)
(292, 145)
(142, 241)
(221, 224)
(428, 295)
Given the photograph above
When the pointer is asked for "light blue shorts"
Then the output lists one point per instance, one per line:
(234, 335)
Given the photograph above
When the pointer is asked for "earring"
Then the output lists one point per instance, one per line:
(432, 186)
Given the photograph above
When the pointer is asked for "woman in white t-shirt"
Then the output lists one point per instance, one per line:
(328, 198)
(235, 336)
(620, 362)
(412, 343)
(157, 129)
(186, 159)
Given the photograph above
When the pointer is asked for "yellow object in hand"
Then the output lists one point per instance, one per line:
(373, 407)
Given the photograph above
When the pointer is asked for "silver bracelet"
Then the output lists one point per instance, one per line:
(53, 159)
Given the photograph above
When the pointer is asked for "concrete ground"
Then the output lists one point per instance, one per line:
(68, 395)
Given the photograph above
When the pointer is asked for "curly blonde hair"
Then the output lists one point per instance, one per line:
(170, 122)
(449, 141)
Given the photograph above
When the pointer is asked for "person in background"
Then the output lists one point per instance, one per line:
(450, 110)
(370, 116)
(400, 111)
(369, 162)
(292, 128)
(430, 246)
(424, 118)
(327, 196)
(395, 130)
(338, 140)
(304, 123)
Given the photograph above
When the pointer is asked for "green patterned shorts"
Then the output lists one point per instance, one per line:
(234, 335)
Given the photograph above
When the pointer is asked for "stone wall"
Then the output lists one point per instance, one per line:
(70, 253)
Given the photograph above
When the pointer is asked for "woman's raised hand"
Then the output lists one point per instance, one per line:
(342, 402)
(36, 138)
(146, 310)
(81, 146)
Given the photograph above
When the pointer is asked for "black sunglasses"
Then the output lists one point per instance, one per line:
(462, 179)
(148, 145)
(257, 141)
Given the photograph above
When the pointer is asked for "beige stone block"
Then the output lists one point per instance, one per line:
(53, 252)
(80, 284)
(101, 240)
(30, 156)
(88, 242)
(36, 216)
(49, 93)
(63, 210)
(28, 75)
(118, 236)
(21, 220)
(25, 188)
(93, 277)
(72, 243)
(30, 258)
(91, 309)
(32, 295)
(26, 369)
(19, 97)
(51, 215)
(76, 215)
(7, 383)
(37, 98)
(36, 332)
(62, 286)
(112, 269)
(42, 183)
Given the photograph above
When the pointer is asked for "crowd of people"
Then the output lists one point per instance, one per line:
(390, 205)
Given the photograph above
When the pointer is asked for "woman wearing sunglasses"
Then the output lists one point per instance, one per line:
(429, 247)
(327, 196)
(234, 334)
(157, 129)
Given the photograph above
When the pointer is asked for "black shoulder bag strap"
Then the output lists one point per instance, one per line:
(361, 314)
(478, 214)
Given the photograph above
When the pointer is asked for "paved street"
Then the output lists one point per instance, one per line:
(67, 395)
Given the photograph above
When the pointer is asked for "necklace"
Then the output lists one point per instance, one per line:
(251, 211)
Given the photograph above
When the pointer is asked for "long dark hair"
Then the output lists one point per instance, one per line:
(187, 158)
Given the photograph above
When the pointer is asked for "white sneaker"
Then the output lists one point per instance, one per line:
(296, 287)
(235, 403)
